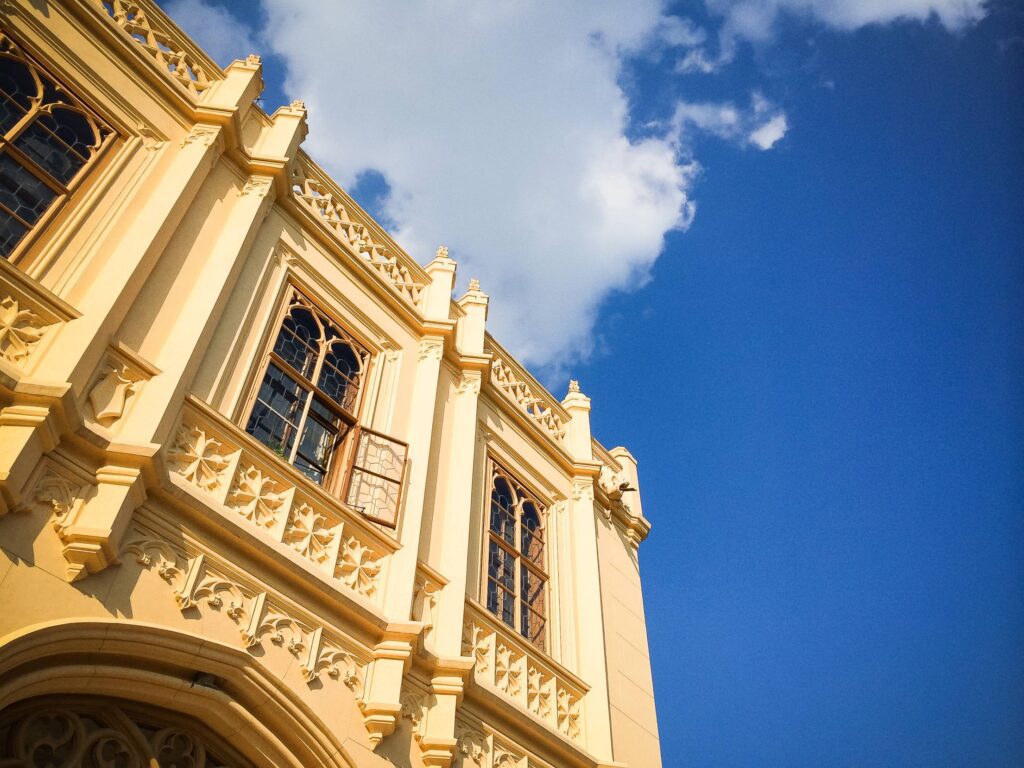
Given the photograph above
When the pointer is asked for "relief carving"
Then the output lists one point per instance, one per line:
(112, 391)
(257, 497)
(198, 458)
(20, 331)
(307, 533)
(471, 747)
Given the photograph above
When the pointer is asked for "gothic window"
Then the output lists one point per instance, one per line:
(46, 140)
(306, 411)
(516, 576)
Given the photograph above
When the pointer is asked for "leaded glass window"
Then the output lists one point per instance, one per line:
(46, 139)
(516, 575)
(306, 402)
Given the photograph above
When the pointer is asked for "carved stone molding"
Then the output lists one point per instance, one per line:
(199, 458)
(256, 186)
(201, 135)
(197, 584)
(59, 495)
(470, 382)
(507, 381)
(431, 349)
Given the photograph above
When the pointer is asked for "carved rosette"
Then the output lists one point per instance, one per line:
(199, 458)
(508, 670)
(257, 497)
(358, 567)
(21, 329)
(568, 714)
(308, 534)
(538, 693)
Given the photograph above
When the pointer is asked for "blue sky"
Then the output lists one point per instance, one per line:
(817, 358)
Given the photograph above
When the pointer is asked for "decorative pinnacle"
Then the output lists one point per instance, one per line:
(299, 104)
(253, 59)
(574, 386)
(474, 284)
(442, 252)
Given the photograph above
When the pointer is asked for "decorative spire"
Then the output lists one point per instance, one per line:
(474, 284)
(299, 104)
(253, 60)
(574, 386)
(442, 252)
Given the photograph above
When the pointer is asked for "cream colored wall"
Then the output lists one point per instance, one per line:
(170, 264)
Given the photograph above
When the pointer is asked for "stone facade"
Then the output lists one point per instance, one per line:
(177, 585)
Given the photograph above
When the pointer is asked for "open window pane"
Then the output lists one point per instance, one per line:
(375, 485)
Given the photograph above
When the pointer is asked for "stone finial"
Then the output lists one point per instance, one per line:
(574, 385)
(442, 252)
(298, 104)
(474, 284)
(253, 59)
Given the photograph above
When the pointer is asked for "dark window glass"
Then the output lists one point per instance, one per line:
(21, 193)
(17, 87)
(516, 584)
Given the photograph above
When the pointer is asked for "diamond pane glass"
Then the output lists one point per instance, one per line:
(21, 192)
(11, 232)
(531, 534)
(339, 376)
(17, 87)
(503, 516)
(298, 342)
(40, 142)
(275, 417)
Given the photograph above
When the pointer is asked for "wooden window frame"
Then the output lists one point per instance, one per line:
(496, 469)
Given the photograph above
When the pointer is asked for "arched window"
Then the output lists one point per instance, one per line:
(516, 574)
(306, 403)
(46, 139)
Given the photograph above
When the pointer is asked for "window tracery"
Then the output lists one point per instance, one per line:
(516, 572)
(306, 412)
(47, 138)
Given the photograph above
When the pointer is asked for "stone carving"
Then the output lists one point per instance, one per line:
(470, 382)
(259, 615)
(424, 603)
(61, 496)
(574, 386)
(504, 663)
(431, 349)
(307, 533)
(506, 758)
(20, 330)
(441, 252)
(111, 393)
(198, 458)
(477, 642)
(253, 60)
(507, 670)
(414, 709)
(257, 497)
(472, 747)
(256, 186)
(164, 47)
(520, 393)
(88, 732)
(614, 487)
(568, 714)
(474, 284)
(358, 567)
(345, 221)
(583, 489)
(201, 135)
(538, 693)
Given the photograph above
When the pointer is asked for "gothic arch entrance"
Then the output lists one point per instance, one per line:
(104, 732)
(121, 694)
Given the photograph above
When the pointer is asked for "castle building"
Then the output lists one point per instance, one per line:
(269, 496)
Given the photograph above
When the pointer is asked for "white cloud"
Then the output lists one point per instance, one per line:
(219, 33)
(761, 125)
(501, 130)
(755, 20)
